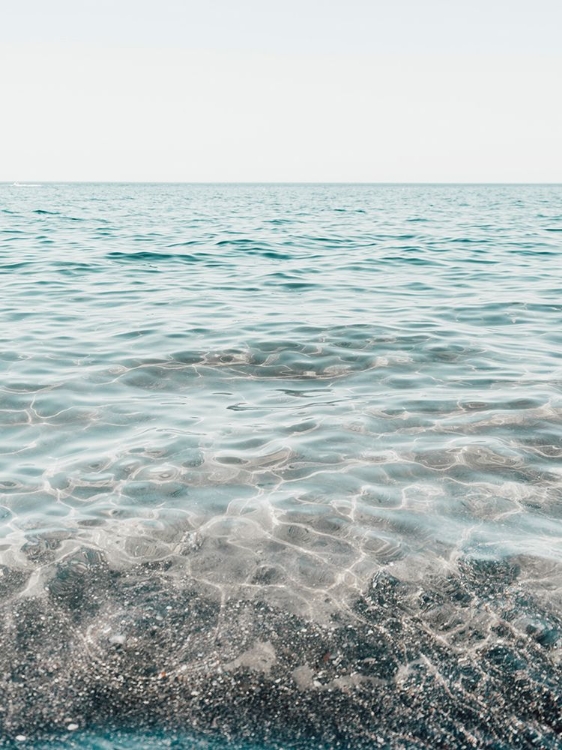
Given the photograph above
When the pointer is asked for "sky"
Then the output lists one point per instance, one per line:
(271, 91)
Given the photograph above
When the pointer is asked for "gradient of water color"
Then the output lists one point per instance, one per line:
(221, 403)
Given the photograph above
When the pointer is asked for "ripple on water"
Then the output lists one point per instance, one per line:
(282, 468)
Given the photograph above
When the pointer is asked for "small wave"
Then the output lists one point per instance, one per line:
(147, 255)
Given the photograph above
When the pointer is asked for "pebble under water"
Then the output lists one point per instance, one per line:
(280, 466)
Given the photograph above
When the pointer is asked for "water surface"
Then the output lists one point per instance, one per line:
(281, 465)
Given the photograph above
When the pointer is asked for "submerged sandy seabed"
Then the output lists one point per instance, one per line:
(427, 652)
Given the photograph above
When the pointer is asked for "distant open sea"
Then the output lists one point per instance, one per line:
(280, 466)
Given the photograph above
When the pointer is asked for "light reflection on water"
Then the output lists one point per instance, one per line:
(276, 393)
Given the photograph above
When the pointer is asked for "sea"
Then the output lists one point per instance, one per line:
(280, 466)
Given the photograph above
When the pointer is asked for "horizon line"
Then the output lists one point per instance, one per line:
(15, 183)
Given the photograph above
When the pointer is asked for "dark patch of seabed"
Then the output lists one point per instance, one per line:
(464, 657)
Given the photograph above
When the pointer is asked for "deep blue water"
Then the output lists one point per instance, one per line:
(281, 465)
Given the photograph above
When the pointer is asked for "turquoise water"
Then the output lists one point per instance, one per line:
(281, 465)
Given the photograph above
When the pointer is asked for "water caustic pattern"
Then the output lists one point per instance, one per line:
(281, 466)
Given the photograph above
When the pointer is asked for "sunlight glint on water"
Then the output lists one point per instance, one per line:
(268, 402)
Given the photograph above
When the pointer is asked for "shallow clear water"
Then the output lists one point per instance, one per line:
(231, 415)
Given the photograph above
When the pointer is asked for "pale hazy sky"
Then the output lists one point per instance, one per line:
(292, 90)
